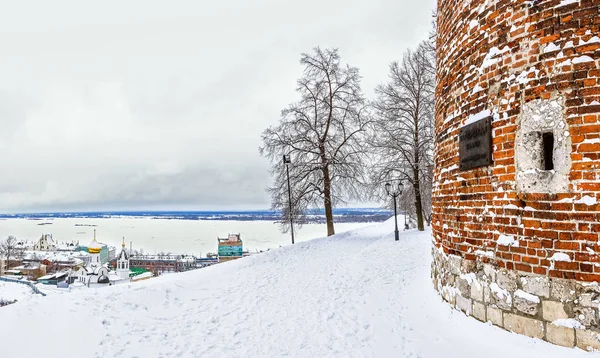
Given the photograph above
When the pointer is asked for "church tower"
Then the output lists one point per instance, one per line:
(94, 250)
(123, 263)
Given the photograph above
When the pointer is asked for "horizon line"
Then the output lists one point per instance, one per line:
(174, 211)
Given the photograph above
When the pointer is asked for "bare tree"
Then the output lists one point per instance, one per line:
(323, 133)
(406, 202)
(402, 137)
(136, 252)
(10, 249)
(426, 194)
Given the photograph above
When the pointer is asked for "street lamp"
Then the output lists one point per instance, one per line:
(286, 162)
(394, 194)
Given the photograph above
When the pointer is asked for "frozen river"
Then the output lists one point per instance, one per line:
(155, 235)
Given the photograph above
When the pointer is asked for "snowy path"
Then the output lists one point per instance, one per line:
(358, 294)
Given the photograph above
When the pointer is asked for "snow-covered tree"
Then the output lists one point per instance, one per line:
(402, 136)
(10, 249)
(323, 134)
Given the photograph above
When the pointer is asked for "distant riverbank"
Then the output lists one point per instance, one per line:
(314, 216)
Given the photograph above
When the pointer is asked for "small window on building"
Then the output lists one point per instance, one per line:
(548, 146)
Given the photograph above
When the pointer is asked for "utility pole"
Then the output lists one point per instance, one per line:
(286, 162)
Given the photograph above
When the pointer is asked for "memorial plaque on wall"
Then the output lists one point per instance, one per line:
(475, 143)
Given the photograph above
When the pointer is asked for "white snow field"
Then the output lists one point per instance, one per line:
(357, 294)
(10, 291)
(155, 235)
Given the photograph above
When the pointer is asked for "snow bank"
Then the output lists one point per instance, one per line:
(11, 291)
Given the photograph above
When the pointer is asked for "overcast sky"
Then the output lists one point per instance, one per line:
(118, 105)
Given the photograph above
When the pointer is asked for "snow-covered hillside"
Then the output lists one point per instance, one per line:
(14, 291)
(359, 294)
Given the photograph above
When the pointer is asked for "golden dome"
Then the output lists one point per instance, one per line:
(94, 247)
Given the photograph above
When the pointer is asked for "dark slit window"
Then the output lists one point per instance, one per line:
(548, 151)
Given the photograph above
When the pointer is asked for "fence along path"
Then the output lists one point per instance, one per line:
(30, 284)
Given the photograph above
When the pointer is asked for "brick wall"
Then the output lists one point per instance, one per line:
(517, 242)
(504, 58)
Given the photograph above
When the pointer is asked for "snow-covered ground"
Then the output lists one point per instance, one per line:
(357, 294)
(10, 291)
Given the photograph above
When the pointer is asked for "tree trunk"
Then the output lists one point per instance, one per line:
(428, 219)
(418, 204)
(416, 179)
(327, 194)
(328, 209)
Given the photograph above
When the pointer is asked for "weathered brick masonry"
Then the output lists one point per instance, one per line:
(517, 241)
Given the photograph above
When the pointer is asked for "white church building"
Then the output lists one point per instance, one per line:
(94, 272)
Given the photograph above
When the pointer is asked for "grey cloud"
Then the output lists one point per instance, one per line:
(139, 104)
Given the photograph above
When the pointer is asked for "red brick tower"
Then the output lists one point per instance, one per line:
(517, 166)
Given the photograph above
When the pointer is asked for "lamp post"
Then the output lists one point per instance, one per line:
(286, 162)
(394, 194)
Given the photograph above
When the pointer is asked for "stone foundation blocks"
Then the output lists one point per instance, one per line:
(522, 325)
(464, 304)
(477, 291)
(507, 280)
(539, 286)
(526, 305)
(522, 303)
(479, 311)
(563, 290)
(586, 316)
(563, 336)
(494, 315)
(552, 310)
(587, 340)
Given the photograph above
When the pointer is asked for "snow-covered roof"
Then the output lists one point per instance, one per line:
(142, 276)
(13, 271)
(55, 256)
(94, 269)
(123, 255)
(113, 277)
